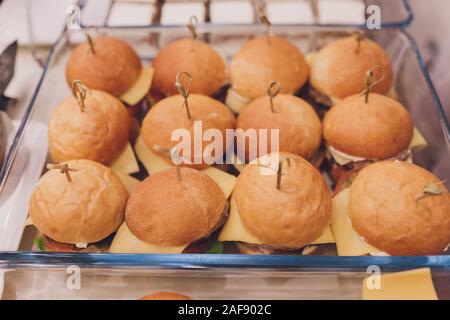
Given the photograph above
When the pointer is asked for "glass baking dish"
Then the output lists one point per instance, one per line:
(342, 13)
(413, 85)
(206, 283)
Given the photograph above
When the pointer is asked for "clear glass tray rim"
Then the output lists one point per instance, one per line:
(21, 260)
(10, 260)
(403, 23)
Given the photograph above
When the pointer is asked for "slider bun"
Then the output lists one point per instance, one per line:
(299, 125)
(338, 71)
(165, 296)
(259, 61)
(379, 129)
(201, 60)
(99, 133)
(114, 67)
(164, 211)
(383, 209)
(289, 218)
(168, 115)
(85, 210)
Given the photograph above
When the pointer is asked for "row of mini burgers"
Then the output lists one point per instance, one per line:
(383, 204)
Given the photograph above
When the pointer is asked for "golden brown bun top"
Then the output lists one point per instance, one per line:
(165, 296)
(168, 115)
(379, 129)
(338, 71)
(262, 60)
(386, 210)
(85, 210)
(202, 61)
(291, 217)
(99, 133)
(300, 128)
(114, 67)
(164, 211)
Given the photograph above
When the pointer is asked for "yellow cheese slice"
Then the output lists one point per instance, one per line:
(151, 161)
(348, 241)
(234, 230)
(309, 58)
(406, 285)
(128, 181)
(225, 180)
(235, 102)
(125, 242)
(140, 88)
(126, 162)
(155, 163)
(326, 237)
(29, 222)
(418, 142)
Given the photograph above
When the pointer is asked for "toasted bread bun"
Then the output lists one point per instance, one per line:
(164, 211)
(300, 128)
(99, 133)
(291, 217)
(202, 61)
(87, 209)
(385, 209)
(379, 129)
(165, 296)
(114, 67)
(338, 70)
(264, 59)
(168, 115)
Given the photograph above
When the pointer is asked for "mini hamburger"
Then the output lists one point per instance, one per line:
(300, 129)
(76, 205)
(94, 126)
(194, 56)
(336, 70)
(258, 62)
(278, 211)
(203, 113)
(111, 65)
(165, 296)
(176, 210)
(359, 131)
(392, 208)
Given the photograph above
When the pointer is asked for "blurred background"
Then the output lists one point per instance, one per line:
(37, 23)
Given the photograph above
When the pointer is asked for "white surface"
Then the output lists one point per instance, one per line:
(179, 13)
(95, 12)
(26, 76)
(286, 12)
(232, 12)
(48, 19)
(341, 11)
(131, 14)
(25, 171)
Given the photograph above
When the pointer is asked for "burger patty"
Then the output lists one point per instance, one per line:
(319, 97)
(51, 245)
(344, 175)
(204, 244)
(259, 249)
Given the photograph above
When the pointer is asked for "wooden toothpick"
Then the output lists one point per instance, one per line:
(183, 89)
(63, 168)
